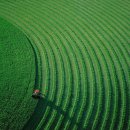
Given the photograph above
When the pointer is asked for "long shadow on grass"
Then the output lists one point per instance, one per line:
(38, 114)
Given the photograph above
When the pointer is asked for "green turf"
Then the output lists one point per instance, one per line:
(82, 62)
(17, 77)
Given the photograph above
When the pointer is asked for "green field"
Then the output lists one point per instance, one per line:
(76, 52)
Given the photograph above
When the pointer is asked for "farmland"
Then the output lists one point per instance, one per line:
(17, 77)
(77, 53)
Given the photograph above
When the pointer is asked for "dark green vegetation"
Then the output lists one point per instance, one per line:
(82, 63)
(17, 77)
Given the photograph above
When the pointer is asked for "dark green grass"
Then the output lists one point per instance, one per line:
(83, 61)
(17, 77)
